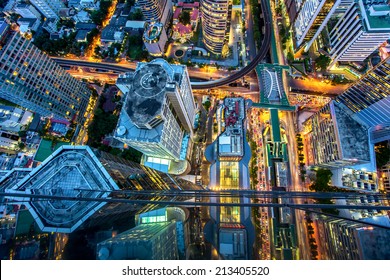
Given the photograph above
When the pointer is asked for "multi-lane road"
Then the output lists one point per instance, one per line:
(220, 81)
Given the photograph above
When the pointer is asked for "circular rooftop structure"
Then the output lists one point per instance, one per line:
(149, 81)
(153, 31)
(148, 93)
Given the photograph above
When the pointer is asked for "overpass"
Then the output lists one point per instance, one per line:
(118, 69)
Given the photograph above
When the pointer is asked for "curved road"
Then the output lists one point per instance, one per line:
(195, 85)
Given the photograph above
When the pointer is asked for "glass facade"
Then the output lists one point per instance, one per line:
(369, 97)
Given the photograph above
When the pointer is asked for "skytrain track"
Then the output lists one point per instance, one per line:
(115, 68)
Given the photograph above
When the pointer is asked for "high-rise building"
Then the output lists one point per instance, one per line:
(78, 171)
(216, 17)
(156, 10)
(369, 97)
(161, 234)
(49, 8)
(342, 7)
(158, 114)
(149, 241)
(360, 31)
(335, 139)
(346, 240)
(311, 20)
(27, 11)
(385, 178)
(158, 14)
(29, 78)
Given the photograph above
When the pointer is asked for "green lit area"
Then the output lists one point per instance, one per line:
(153, 219)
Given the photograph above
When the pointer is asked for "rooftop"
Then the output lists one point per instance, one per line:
(230, 142)
(376, 17)
(148, 94)
(70, 171)
(271, 84)
(353, 135)
(144, 101)
(153, 31)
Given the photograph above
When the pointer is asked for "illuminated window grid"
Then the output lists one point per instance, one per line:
(229, 180)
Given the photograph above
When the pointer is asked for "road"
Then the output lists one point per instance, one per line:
(314, 85)
(195, 85)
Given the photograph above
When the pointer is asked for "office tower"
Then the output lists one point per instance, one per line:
(385, 178)
(342, 7)
(156, 10)
(78, 171)
(369, 97)
(49, 8)
(346, 240)
(216, 17)
(27, 11)
(161, 234)
(149, 241)
(158, 14)
(335, 139)
(158, 113)
(360, 31)
(29, 78)
(311, 20)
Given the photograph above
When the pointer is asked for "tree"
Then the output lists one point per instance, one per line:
(382, 154)
(21, 145)
(185, 18)
(100, 15)
(92, 34)
(22, 133)
(290, 56)
(137, 15)
(132, 155)
(207, 105)
(322, 62)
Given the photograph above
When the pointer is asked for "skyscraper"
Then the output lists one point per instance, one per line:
(156, 10)
(346, 240)
(369, 97)
(335, 138)
(152, 241)
(49, 8)
(158, 14)
(27, 11)
(78, 171)
(216, 17)
(158, 114)
(29, 78)
(360, 31)
(310, 21)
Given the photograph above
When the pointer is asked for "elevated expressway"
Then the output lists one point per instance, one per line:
(116, 68)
